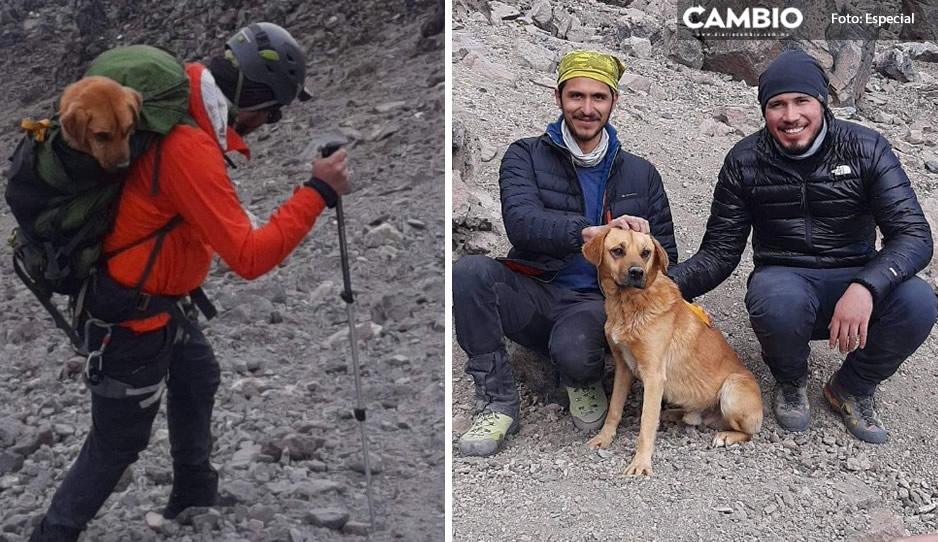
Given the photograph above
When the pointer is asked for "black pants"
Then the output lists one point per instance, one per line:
(789, 306)
(121, 428)
(491, 302)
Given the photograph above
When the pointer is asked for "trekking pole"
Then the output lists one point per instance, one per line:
(349, 299)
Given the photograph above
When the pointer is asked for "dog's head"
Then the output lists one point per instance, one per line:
(98, 117)
(626, 258)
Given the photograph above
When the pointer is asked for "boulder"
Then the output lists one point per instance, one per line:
(636, 23)
(541, 14)
(895, 64)
(637, 47)
(926, 20)
(534, 56)
(501, 11)
(681, 47)
(923, 52)
(743, 60)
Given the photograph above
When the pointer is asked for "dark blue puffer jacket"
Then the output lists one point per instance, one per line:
(542, 203)
(823, 220)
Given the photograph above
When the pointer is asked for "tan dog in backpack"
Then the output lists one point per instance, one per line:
(98, 116)
(658, 337)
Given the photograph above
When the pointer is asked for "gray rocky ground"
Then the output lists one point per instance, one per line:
(287, 446)
(820, 485)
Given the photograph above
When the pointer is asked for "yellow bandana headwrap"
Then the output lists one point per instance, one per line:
(593, 64)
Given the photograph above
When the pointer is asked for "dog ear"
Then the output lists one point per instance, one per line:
(74, 120)
(661, 257)
(135, 99)
(594, 249)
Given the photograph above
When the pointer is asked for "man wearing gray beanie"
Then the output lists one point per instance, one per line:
(812, 189)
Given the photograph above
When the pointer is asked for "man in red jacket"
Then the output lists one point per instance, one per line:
(135, 302)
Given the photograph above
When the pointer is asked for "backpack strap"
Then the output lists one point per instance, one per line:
(45, 298)
(155, 185)
(160, 235)
(161, 232)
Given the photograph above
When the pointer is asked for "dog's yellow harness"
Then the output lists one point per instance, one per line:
(700, 312)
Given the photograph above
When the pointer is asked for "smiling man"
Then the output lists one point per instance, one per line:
(812, 189)
(558, 190)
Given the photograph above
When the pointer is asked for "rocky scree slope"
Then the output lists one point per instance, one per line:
(287, 446)
(546, 485)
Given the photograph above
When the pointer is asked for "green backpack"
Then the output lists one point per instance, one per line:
(64, 203)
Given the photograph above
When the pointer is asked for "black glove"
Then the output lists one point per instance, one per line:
(328, 194)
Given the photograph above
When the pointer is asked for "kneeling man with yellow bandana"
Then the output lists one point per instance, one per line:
(558, 190)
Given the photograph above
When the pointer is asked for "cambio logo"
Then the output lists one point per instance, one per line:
(748, 18)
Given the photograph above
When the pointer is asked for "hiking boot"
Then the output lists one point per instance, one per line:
(46, 532)
(193, 485)
(791, 404)
(857, 411)
(588, 406)
(487, 434)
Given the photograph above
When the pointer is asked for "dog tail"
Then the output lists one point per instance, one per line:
(741, 403)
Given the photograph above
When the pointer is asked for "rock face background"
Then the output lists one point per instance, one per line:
(675, 111)
(287, 446)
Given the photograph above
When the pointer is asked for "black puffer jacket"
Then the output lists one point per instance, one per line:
(824, 220)
(543, 209)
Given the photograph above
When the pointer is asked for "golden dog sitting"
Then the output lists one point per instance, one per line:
(655, 336)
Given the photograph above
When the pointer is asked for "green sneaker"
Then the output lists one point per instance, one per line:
(487, 434)
(588, 406)
(857, 411)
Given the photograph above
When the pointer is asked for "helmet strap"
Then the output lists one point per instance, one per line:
(237, 96)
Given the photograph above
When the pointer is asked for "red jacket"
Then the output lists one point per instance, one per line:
(193, 183)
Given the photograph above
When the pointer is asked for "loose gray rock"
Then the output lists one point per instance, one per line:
(502, 12)
(489, 69)
(542, 14)
(357, 463)
(357, 528)
(636, 46)
(534, 56)
(637, 83)
(10, 462)
(32, 439)
(924, 52)
(155, 521)
(895, 64)
(382, 235)
(331, 518)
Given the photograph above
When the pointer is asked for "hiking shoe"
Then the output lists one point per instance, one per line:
(857, 410)
(791, 404)
(46, 532)
(487, 434)
(193, 486)
(588, 406)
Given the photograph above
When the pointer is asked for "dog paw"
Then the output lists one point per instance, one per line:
(672, 415)
(638, 468)
(728, 438)
(601, 440)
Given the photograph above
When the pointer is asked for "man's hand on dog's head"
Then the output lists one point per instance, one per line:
(625, 222)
